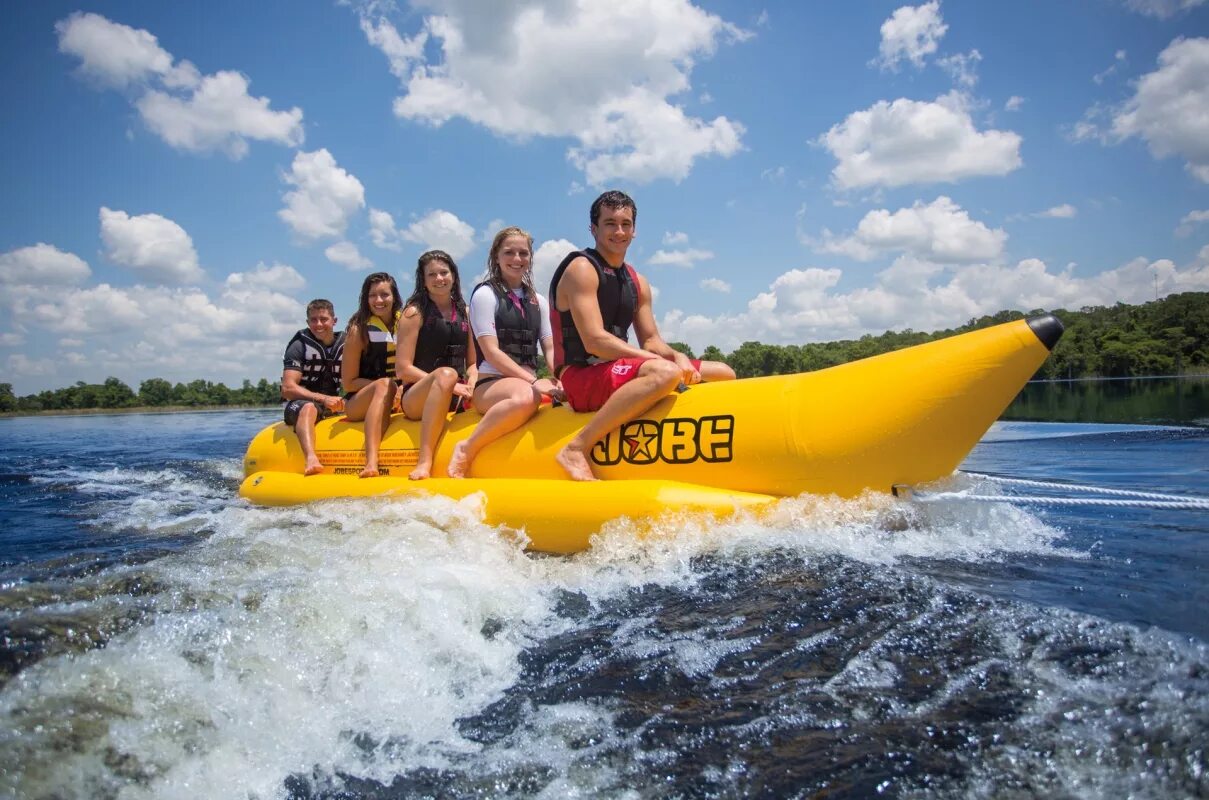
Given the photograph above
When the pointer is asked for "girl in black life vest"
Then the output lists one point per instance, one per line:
(368, 369)
(434, 352)
(510, 321)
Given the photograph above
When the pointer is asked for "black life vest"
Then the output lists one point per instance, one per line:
(617, 296)
(378, 354)
(442, 342)
(518, 326)
(320, 365)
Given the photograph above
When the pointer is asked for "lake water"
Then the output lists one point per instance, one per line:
(161, 638)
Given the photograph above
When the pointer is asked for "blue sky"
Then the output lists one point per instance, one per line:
(181, 178)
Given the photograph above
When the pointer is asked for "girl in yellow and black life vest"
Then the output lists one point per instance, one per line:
(434, 352)
(368, 368)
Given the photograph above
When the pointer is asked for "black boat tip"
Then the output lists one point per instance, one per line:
(1048, 329)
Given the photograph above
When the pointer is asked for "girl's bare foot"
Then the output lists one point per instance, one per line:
(369, 471)
(457, 462)
(421, 472)
(575, 463)
(313, 467)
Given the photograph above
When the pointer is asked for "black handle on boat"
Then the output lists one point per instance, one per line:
(681, 388)
(1048, 329)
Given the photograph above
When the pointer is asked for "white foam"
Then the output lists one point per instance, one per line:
(351, 636)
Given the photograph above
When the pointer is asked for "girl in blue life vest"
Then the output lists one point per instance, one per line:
(434, 352)
(368, 368)
(510, 320)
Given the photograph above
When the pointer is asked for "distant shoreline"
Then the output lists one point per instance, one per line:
(102, 412)
(1185, 376)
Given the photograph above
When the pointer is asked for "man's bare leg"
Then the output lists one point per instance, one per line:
(656, 380)
(304, 428)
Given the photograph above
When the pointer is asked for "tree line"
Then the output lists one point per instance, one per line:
(152, 393)
(1164, 337)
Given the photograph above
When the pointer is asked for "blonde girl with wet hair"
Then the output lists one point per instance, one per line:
(511, 321)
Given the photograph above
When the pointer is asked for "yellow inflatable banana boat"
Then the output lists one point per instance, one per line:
(905, 417)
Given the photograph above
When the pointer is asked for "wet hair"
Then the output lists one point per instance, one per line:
(495, 276)
(420, 299)
(363, 311)
(612, 199)
(319, 304)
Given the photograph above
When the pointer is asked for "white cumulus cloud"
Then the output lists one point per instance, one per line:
(188, 111)
(1190, 221)
(606, 76)
(382, 230)
(940, 231)
(685, 259)
(348, 256)
(242, 332)
(441, 230)
(546, 259)
(219, 115)
(908, 142)
(275, 277)
(324, 196)
(912, 33)
(715, 285)
(962, 68)
(1162, 9)
(803, 305)
(42, 265)
(1064, 211)
(113, 54)
(1168, 110)
(152, 245)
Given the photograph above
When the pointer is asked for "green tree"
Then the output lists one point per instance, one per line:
(115, 394)
(155, 392)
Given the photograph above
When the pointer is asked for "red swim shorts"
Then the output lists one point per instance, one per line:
(589, 387)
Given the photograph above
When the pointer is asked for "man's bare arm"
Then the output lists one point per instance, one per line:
(577, 290)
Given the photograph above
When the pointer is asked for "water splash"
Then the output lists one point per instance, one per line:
(364, 647)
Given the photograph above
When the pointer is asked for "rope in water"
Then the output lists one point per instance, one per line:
(1135, 499)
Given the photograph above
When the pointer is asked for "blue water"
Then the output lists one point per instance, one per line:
(160, 638)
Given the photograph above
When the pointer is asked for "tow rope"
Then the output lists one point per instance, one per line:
(1128, 498)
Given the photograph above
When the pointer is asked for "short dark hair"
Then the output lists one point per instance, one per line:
(612, 199)
(319, 304)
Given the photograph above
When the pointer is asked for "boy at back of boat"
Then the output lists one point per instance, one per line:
(595, 298)
(310, 377)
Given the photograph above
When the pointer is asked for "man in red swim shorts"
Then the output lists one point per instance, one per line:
(595, 298)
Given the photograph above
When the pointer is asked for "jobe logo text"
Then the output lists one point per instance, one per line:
(679, 440)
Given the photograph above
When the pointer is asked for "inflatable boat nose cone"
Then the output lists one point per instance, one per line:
(1048, 329)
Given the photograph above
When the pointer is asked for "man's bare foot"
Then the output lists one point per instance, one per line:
(575, 463)
(369, 471)
(421, 472)
(457, 461)
(313, 467)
